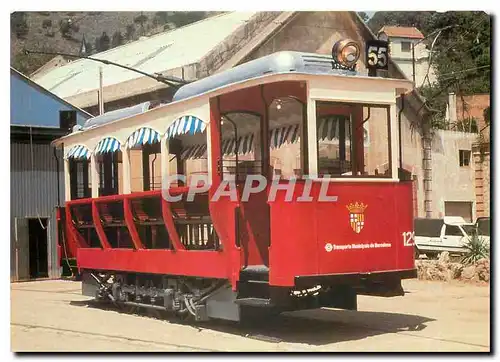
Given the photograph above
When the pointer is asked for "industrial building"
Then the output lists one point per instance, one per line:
(37, 117)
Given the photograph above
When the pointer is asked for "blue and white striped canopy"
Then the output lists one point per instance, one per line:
(185, 124)
(194, 152)
(108, 144)
(78, 151)
(143, 136)
(328, 128)
(281, 135)
(245, 145)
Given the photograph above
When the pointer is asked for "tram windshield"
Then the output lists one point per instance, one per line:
(353, 140)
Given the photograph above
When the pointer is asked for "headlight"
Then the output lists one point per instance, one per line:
(346, 52)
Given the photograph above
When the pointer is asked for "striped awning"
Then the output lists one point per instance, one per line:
(194, 152)
(108, 144)
(78, 151)
(328, 129)
(245, 145)
(184, 125)
(281, 135)
(142, 136)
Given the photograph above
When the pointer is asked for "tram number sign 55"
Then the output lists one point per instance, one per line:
(408, 238)
(377, 53)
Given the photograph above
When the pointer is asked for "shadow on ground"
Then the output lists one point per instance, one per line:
(314, 327)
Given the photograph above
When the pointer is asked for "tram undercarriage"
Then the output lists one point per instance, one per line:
(203, 299)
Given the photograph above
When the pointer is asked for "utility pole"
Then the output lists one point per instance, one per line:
(439, 31)
(413, 61)
(101, 98)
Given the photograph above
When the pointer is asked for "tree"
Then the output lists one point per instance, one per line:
(117, 39)
(417, 19)
(181, 18)
(47, 23)
(487, 115)
(67, 27)
(141, 19)
(104, 42)
(130, 31)
(161, 17)
(460, 55)
(363, 16)
(27, 63)
(19, 24)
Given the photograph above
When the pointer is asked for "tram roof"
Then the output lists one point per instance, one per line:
(276, 63)
(284, 63)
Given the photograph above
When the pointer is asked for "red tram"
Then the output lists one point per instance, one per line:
(333, 220)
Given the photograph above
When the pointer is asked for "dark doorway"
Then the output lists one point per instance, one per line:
(37, 229)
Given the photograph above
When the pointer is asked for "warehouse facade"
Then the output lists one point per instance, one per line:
(37, 117)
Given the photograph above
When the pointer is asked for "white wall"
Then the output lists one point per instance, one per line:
(450, 181)
(404, 60)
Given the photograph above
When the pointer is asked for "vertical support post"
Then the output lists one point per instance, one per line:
(126, 170)
(209, 152)
(165, 164)
(67, 181)
(394, 140)
(146, 175)
(94, 173)
(214, 141)
(101, 95)
(266, 158)
(312, 137)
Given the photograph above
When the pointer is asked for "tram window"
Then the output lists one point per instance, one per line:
(286, 121)
(353, 140)
(136, 170)
(246, 152)
(335, 141)
(80, 180)
(187, 156)
(145, 167)
(110, 172)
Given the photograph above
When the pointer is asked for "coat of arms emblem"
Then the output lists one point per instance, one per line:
(357, 216)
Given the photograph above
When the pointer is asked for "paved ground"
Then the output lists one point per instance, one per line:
(432, 316)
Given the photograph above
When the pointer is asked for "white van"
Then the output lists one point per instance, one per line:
(433, 236)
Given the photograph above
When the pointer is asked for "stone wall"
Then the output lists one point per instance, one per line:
(444, 269)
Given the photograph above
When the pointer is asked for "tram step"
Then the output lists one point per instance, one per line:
(255, 273)
(254, 302)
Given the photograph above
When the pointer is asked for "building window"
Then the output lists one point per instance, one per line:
(405, 46)
(464, 156)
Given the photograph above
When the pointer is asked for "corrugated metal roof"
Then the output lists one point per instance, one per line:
(402, 32)
(158, 53)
